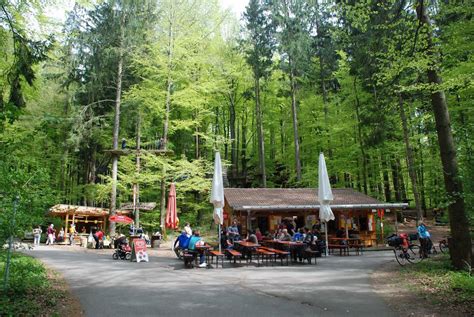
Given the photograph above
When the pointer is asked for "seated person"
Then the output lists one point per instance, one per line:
(182, 241)
(258, 234)
(194, 241)
(233, 232)
(251, 237)
(317, 235)
(225, 242)
(284, 235)
(309, 238)
(299, 235)
(277, 233)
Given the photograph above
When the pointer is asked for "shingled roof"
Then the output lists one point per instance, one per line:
(63, 209)
(298, 198)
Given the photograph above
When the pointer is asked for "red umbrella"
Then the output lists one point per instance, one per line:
(171, 216)
(120, 218)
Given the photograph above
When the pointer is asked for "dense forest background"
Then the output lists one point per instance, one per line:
(269, 91)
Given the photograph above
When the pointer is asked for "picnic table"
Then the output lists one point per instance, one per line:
(344, 244)
(247, 248)
(294, 247)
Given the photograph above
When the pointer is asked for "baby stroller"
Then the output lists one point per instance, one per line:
(122, 251)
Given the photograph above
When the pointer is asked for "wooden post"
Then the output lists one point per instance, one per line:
(67, 222)
(105, 223)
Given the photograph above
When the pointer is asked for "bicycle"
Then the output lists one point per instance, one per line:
(405, 251)
(443, 246)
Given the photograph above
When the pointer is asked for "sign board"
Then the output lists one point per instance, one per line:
(140, 206)
(139, 250)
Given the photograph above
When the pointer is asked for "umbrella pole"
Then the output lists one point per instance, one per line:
(326, 232)
(219, 237)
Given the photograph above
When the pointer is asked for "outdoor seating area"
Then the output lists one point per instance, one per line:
(266, 253)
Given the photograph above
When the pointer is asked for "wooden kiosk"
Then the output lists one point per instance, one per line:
(265, 208)
(82, 216)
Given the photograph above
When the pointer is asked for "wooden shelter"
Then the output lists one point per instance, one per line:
(265, 208)
(83, 216)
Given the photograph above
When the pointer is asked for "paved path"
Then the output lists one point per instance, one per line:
(337, 286)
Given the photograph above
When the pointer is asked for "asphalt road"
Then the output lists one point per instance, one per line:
(337, 286)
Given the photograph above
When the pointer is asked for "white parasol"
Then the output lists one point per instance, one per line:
(325, 196)
(217, 194)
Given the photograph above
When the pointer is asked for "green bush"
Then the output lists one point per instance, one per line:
(29, 288)
(26, 273)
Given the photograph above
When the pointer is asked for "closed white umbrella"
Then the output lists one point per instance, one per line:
(325, 196)
(217, 194)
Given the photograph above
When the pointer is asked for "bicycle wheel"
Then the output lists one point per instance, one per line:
(414, 254)
(400, 256)
(443, 246)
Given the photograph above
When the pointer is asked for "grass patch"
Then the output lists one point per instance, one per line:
(437, 281)
(30, 292)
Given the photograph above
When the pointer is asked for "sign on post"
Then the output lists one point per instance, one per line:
(139, 250)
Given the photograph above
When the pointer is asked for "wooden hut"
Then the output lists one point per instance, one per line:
(83, 216)
(265, 208)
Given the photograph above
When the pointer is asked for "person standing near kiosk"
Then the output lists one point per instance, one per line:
(72, 233)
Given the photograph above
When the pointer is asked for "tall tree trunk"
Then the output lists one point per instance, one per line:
(396, 180)
(361, 141)
(294, 112)
(403, 188)
(118, 101)
(136, 186)
(386, 179)
(169, 84)
(243, 155)
(460, 247)
(410, 160)
(261, 141)
(233, 141)
(282, 133)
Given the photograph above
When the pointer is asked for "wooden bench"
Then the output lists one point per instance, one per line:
(308, 254)
(281, 254)
(218, 255)
(343, 249)
(266, 255)
(232, 254)
(358, 248)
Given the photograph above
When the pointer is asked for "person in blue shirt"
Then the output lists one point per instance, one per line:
(299, 235)
(233, 232)
(196, 240)
(425, 239)
(181, 243)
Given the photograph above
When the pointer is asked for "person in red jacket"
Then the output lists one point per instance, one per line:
(98, 236)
